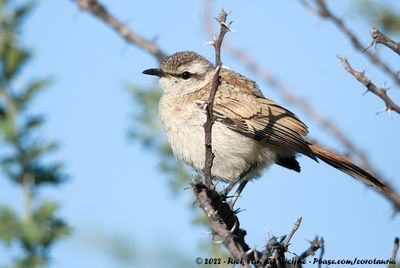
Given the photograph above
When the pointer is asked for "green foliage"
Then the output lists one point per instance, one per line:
(21, 157)
(384, 16)
(9, 225)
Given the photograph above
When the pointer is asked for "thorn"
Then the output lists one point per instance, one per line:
(233, 229)
(282, 238)
(340, 58)
(202, 105)
(226, 67)
(365, 92)
(382, 111)
(215, 214)
(209, 43)
(214, 40)
(390, 113)
(238, 210)
(189, 187)
(247, 253)
(385, 88)
(373, 43)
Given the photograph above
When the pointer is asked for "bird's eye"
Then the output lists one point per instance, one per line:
(185, 75)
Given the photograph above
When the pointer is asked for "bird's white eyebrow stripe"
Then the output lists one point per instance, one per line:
(197, 67)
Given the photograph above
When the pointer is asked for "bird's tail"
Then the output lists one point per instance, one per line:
(345, 165)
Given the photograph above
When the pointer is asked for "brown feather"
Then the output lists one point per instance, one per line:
(245, 110)
(346, 166)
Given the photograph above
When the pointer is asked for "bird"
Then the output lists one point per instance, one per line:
(250, 132)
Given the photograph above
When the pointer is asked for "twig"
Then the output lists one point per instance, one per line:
(324, 12)
(209, 157)
(282, 247)
(394, 253)
(380, 38)
(321, 251)
(371, 87)
(314, 246)
(294, 230)
(99, 11)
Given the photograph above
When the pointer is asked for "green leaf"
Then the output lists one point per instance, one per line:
(13, 59)
(32, 122)
(19, 14)
(30, 91)
(384, 15)
(9, 225)
(49, 174)
(37, 149)
(31, 233)
(7, 129)
(45, 212)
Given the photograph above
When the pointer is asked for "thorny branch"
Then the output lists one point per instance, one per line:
(380, 38)
(223, 221)
(209, 157)
(394, 252)
(225, 224)
(324, 12)
(389, 193)
(371, 87)
(99, 11)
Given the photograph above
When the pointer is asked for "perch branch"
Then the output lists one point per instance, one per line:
(380, 38)
(394, 252)
(371, 87)
(222, 220)
(209, 157)
(324, 12)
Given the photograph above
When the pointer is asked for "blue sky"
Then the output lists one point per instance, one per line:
(88, 112)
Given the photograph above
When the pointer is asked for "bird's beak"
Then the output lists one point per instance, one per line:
(156, 72)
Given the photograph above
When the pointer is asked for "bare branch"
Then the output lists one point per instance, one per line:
(294, 230)
(314, 246)
(209, 157)
(322, 251)
(371, 87)
(380, 38)
(99, 11)
(222, 219)
(324, 12)
(394, 252)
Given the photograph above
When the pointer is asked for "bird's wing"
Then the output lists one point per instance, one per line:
(261, 119)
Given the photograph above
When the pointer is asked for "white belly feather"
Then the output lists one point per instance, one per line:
(234, 152)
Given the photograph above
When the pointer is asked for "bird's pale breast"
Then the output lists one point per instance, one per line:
(183, 124)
